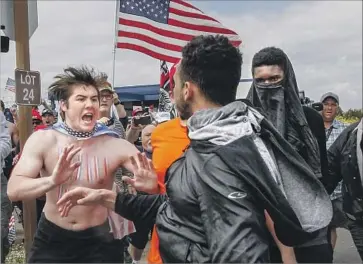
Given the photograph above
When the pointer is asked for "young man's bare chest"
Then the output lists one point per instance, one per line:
(98, 163)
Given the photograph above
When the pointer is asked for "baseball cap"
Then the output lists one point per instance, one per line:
(331, 95)
(40, 127)
(106, 87)
(137, 110)
(36, 115)
(47, 112)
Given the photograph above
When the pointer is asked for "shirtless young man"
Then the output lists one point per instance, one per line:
(77, 152)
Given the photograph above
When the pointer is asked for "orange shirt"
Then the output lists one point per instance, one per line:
(169, 140)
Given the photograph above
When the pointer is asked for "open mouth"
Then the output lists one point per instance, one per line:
(87, 118)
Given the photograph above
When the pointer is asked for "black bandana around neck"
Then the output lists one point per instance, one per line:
(77, 134)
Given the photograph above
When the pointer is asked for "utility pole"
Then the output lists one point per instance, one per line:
(24, 123)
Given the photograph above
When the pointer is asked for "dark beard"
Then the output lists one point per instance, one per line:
(184, 110)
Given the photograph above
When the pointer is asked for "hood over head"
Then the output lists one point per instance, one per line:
(284, 110)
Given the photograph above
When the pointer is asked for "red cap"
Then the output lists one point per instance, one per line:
(40, 127)
(137, 110)
(36, 115)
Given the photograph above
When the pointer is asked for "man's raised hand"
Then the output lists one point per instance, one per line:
(145, 178)
(65, 168)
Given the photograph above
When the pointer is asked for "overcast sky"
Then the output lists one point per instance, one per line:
(322, 38)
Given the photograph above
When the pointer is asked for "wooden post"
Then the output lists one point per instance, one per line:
(25, 118)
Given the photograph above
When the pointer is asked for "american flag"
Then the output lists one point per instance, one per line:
(161, 28)
(10, 85)
(12, 230)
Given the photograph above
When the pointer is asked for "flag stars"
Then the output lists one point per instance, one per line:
(151, 9)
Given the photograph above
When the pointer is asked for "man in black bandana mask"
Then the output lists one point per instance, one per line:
(275, 92)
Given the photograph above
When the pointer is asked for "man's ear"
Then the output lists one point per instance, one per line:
(188, 91)
(63, 105)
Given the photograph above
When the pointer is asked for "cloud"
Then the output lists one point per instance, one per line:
(323, 40)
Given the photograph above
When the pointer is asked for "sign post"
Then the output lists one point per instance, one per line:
(24, 124)
(28, 90)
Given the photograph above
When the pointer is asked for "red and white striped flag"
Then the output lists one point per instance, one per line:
(10, 85)
(12, 230)
(161, 28)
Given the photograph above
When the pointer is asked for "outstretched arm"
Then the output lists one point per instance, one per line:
(145, 178)
(141, 209)
(24, 183)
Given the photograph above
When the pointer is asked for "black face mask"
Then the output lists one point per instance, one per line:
(272, 100)
(268, 85)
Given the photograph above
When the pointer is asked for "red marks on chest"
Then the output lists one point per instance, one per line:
(93, 170)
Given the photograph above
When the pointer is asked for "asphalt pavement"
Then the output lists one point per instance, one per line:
(345, 251)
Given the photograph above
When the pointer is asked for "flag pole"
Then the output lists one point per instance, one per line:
(115, 43)
(114, 110)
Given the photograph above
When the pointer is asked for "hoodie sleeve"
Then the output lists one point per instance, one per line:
(5, 141)
(234, 224)
(141, 209)
(334, 159)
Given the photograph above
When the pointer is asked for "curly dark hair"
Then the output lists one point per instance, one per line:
(214, 65)
(62, 87)
(269, 56)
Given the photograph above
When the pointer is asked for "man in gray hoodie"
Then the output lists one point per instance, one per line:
(5, 149)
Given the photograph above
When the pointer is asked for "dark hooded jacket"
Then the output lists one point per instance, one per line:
(344, 158)
(304, 126)
(236, 167)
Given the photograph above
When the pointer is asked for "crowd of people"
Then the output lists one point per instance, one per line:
(227, 180)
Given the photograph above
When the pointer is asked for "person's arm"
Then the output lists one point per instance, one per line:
(24, 182)
(287, 253)
(5, 142)
(141, 209)
(233, 221)
(334, 161)
(133, 133)
(138, 164)
(15, 135)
